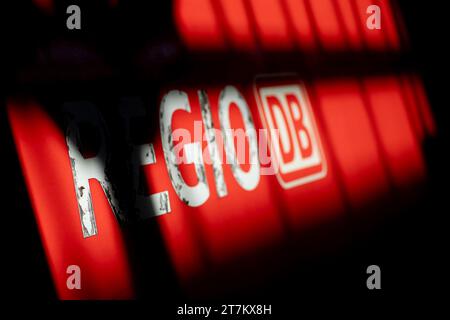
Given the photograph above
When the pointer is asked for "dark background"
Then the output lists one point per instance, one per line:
(135, 49)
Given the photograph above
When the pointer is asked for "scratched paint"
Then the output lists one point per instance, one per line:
(84, 169)
(221, 186)
(146, 206)
(193, 196)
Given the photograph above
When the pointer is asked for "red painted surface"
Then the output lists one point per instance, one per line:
(45, 162)
(286, 25)
(353, 141)
(403, 152)
(360, 123)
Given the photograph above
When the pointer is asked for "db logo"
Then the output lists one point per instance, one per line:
(294, 139)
